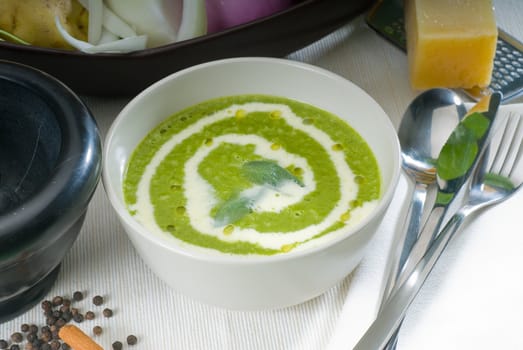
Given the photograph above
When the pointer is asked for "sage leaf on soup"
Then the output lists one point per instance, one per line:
(263, 172)
(232, 210)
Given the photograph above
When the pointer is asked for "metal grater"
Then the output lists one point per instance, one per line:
(386, 18)
(507, 76)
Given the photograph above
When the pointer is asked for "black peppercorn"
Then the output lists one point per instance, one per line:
(55, 345)
(17, 337)
(78, 318)
(97, 330)
(58, 312)
(67, 316)
(46, 305)
(60, 323)
(78, 296)
(98, 300)
(31, 337)
(117, 345)
(108, 312)
(64, 308)
(46, 336)
(33, 329)
(58, 300)
(132, 340)
(50, 320)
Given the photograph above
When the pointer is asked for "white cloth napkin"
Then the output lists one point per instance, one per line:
(364, 294)
(473, 298)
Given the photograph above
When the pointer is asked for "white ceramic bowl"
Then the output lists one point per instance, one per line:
(260, 282)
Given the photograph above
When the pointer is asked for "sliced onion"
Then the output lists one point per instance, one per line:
(158, 19)
(107, 36)
(116, 25)
(134, 43)
(111, 21)
(124, 45)
(96, 13)
(71, 40)
(158, 22)
(194, 20)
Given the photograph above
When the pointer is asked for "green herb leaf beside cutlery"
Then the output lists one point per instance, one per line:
(459, 153)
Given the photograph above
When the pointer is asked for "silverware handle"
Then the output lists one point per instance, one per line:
(404, 241)
(425, 239)
(392, 313)
(393, 342)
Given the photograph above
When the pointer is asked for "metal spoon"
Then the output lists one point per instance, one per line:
(427, 123)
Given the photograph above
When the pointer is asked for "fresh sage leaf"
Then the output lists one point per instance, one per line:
(460, 150)
(264, 172)
(259, 172)
(232, 210)
(477, 123)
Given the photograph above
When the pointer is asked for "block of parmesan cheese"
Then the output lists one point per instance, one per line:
(450, 43)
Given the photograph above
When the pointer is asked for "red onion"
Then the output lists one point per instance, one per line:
(223, 14)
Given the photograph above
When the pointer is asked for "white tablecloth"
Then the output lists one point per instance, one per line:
(473, 300)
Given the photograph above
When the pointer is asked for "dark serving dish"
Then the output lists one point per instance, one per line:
(127, 74)
(50, 164)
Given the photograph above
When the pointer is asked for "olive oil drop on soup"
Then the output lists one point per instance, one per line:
(251, 174)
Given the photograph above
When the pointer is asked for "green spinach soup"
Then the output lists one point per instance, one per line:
(251, 174)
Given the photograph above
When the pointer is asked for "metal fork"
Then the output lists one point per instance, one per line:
(499, 175)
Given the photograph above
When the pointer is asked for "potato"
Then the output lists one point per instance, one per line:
(34, 21)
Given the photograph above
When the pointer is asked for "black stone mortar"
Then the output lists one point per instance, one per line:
(50, 162)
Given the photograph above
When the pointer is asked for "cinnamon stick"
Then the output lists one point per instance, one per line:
(77, 339)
